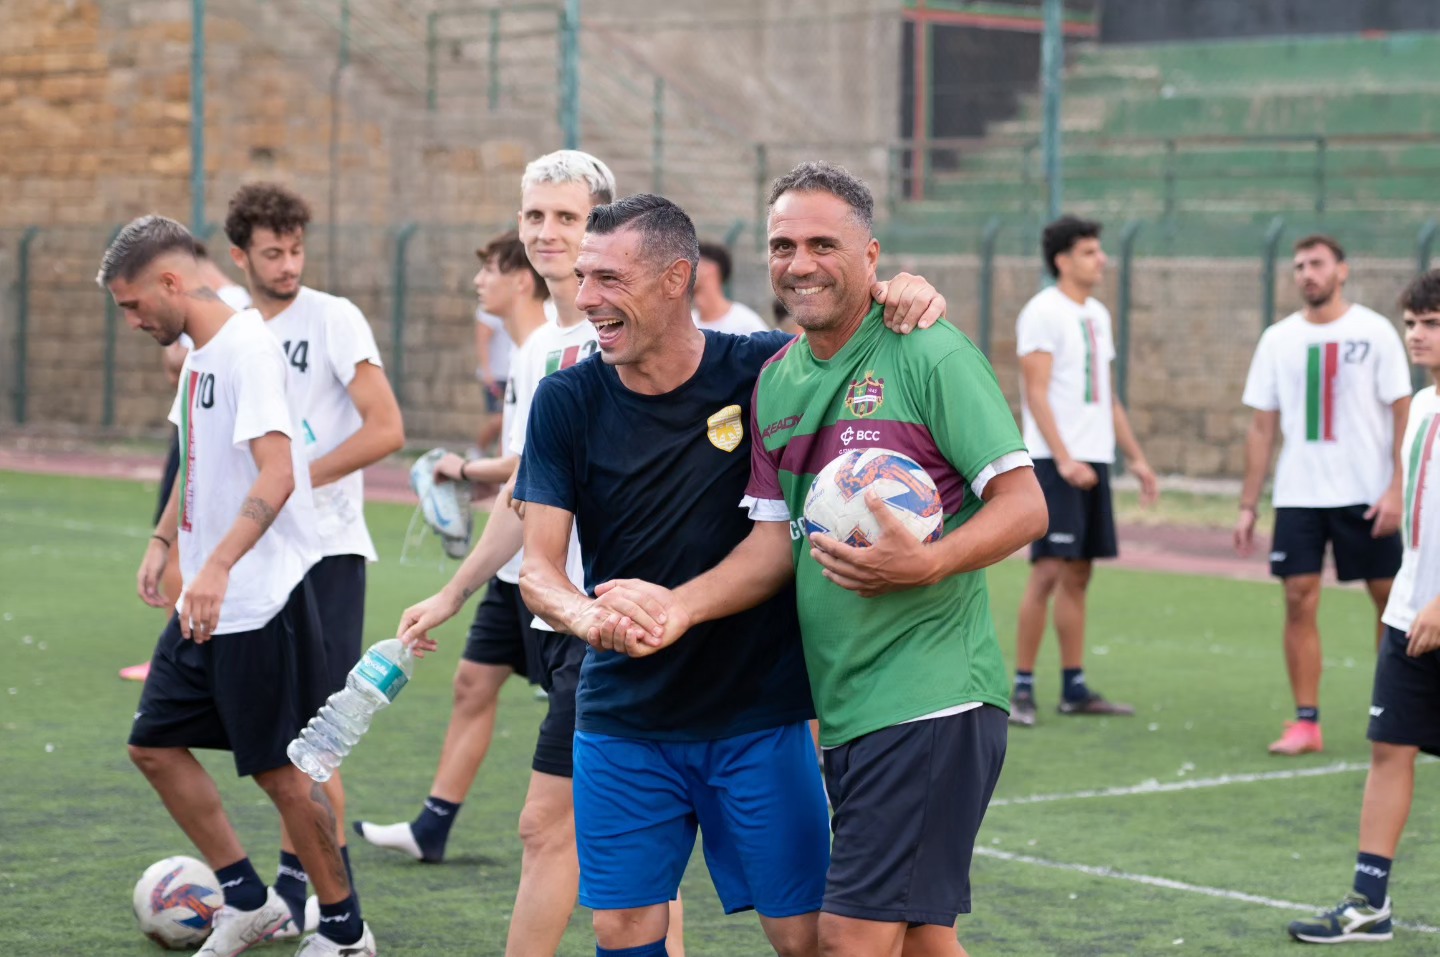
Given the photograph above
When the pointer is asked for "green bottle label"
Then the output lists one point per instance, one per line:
(383, 673)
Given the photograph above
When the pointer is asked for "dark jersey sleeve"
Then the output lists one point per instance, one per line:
(547, 469)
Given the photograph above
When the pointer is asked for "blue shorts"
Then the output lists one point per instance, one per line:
(757, 800)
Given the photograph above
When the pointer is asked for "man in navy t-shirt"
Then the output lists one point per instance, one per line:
(646, 452)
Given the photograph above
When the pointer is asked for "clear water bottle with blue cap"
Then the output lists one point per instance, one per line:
(373, 683)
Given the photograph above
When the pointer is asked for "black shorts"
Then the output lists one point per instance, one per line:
(167, 481)
(908, 801)
(1405, 703)
(338, 583)
(502, 634)
(1082, 521)
(246, 692)
(1301, 535)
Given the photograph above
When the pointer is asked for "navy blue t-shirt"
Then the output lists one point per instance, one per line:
(656, 497)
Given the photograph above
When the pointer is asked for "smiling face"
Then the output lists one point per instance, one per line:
(1319, 274)
(822, 259)
(153, 302)
(632, 300)
(552, 223)
(273, 262)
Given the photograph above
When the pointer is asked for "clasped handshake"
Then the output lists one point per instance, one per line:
(633, 617)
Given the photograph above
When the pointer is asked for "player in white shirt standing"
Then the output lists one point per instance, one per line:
(1072, 421)
(712, 309)
(1333, 380)
(1405, 704)
(348, 420)
(240, 666)
(493, 351)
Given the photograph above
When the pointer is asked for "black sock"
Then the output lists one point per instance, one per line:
(1308, 714)
(290, 881)
(1372, 877)
(1072, 684)
(341, 922)
(242, 887)
(656, 949)
(1025, 681)
(432, 827)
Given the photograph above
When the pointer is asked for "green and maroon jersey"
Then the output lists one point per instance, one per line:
(931, 395)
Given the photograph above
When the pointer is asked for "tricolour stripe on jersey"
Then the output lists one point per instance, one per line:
(1420, 448)
(1092, 362)
(1322, 365)
(187, 451)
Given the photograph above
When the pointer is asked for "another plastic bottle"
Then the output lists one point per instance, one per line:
(376, 679)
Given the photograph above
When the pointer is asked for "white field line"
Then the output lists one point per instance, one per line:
(1167, 884)
(1194, 784)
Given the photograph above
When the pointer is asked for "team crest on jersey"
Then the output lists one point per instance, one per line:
(866, 396)
(724, 429)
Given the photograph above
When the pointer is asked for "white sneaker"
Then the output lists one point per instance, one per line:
(394, 837)
(236, 931)
(312, 922)
(318, 945)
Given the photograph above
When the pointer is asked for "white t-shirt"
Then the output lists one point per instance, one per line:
(501, 347)
(1333, 384)
(233, 391)
(549, 349)
(234, 296)
(1418, 582)
(325, 337)
(740, 320)
(1079, 341)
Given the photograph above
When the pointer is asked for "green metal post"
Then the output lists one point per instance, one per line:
(432, 65)
(197, 115)
(1052, 61)
(1170, 190)
(1320, 150)
(1423, 241)
(1267, 281)
(762, 185)
(397, 310)
(112, 323)
(342, 60)
(493, 87)
(22, 322)
(989, 237)
(570, 74)
(1123, 304)
(657, 139)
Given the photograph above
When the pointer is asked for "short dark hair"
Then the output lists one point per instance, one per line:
(718, 255)
(139, 243)
(1422, 295)
(509, 254)
(1320, 239)
(201, 250)
(667, 229)
(822, 177)
(1062, 235)
(264, 206)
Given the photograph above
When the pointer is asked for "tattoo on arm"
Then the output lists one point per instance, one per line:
(467, 591)
(259, 511)
(204, 294)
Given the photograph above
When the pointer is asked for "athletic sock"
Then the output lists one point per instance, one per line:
(341, 922)
(1372, 877)
(432, 827)
(242, 887)
(1072, 682)
(290, 881)
(1025, 682)
(1308, 714)
(656, 949)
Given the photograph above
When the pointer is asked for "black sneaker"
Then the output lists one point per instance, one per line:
(1022, 708)
(1095, 703)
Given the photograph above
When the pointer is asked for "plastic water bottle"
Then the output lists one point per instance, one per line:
(376, 679)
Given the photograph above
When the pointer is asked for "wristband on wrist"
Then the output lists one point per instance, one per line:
(162, 538)
(463, 466)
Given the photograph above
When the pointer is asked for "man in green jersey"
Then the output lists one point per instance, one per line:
(904, 665)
